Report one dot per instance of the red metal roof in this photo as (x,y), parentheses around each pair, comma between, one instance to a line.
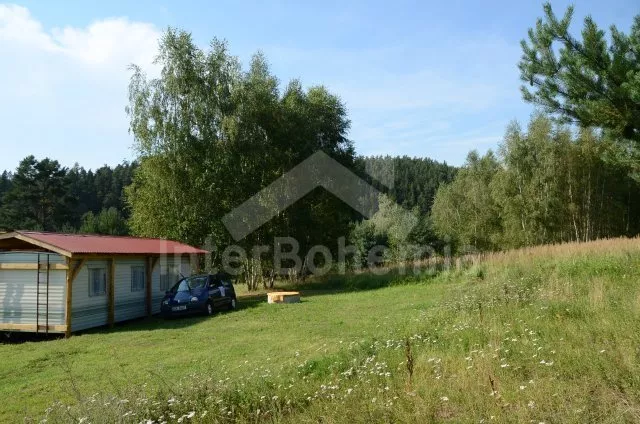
(111,245)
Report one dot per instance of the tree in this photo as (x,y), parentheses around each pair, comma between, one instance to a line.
(5,185)
(526,189)
(51,197)
(592,82)
(38,198)
(80,188)
(547,185)
(464,211)
(210,136)
(182,125)
(108,221)
(413,181)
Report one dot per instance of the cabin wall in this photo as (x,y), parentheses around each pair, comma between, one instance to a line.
(128,304)
(18,290)
(93,311)
(88,311)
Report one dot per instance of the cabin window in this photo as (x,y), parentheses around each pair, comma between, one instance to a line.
(97,281)
(137,278)
(168,278)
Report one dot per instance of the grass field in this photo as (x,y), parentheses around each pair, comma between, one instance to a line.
(549,334)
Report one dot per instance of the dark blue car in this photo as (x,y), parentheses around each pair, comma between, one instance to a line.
(199,294)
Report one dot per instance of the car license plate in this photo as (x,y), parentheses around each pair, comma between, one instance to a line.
(179,308)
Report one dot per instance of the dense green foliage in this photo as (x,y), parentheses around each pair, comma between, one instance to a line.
(410,182)
(38,196)
(403,235)
(94,202)
(43,195)
(211,135)
(594,81)
(108,221)
(5,184)
(464,211)
(546,186)
(402,226)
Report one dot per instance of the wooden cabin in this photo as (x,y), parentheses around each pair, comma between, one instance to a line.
(61,283)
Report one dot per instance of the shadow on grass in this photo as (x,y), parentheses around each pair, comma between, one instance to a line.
(19,337)
(347,283)
(157,322)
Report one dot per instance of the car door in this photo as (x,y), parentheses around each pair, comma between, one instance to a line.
(215,292)
(228,290)
(225,291)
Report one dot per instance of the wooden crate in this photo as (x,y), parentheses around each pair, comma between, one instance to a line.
(283,297)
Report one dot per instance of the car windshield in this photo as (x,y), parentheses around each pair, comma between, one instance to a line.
(190,283)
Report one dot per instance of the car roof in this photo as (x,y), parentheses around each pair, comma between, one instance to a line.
(219,275)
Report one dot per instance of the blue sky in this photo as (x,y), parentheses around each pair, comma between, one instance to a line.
(432,79)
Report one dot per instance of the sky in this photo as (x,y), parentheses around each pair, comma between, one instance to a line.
(429,79)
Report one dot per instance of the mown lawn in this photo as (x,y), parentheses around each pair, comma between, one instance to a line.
(549,334)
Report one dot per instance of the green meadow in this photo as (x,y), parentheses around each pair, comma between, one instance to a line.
(547,334)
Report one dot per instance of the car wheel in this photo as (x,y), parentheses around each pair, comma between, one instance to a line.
(209,309)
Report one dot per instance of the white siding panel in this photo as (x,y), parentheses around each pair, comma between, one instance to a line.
(18,291)
(186,265)
(30,258)
(128,304)
(88,311)
(156,293)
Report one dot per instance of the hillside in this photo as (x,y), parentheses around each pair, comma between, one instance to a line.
(546,334)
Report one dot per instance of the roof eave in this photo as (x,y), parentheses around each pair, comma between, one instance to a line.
(18,235)
(56,249)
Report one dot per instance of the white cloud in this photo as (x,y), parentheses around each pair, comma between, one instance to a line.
(112,42)
(65,88)
(17,27)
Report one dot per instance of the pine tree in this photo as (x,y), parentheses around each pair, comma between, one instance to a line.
(594,82)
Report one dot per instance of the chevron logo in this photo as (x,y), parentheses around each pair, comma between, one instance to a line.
(318,170)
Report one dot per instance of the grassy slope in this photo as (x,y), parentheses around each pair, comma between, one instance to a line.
(549,334)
